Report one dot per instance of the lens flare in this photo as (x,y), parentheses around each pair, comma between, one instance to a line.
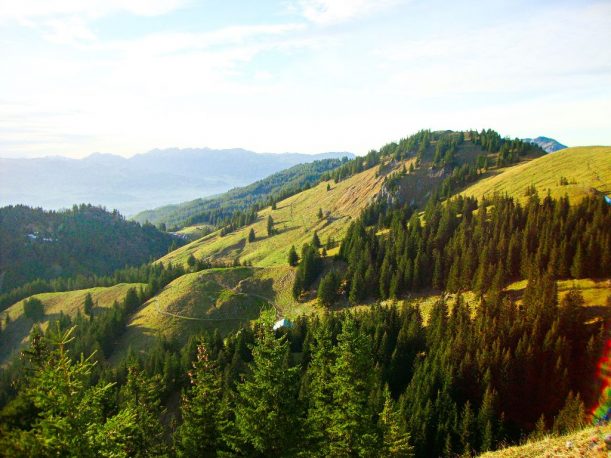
(602,411)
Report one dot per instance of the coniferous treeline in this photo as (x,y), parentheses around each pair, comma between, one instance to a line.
(460,245)
(377,383)
(146,273)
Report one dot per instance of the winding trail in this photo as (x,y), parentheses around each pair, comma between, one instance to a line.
(184,317)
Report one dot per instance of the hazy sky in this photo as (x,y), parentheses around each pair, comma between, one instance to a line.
(126,76)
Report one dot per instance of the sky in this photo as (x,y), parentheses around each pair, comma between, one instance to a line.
(127,76)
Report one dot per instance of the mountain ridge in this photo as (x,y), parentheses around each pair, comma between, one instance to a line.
(159,177)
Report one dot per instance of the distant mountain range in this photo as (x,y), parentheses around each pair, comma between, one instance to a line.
(159,177)
(547,144)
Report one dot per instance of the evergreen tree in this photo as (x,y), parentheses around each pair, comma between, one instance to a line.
(352,430)
(319,214)
(327,289)
(316,241)
(395,439)
(251,235)
(88,305)
(266,410)
(293,257)
(270,226)
(198,435)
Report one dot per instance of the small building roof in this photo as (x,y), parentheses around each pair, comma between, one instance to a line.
(283,323)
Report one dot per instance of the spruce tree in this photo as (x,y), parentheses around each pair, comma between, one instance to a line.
(267,414)
(395,438)
(88,305)
(293,257)
(198,435)
(327,289)
(270,226)
(352,430)
(251,235)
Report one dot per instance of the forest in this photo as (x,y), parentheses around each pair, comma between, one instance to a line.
(84,240)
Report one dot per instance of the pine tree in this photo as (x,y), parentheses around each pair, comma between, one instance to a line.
(70,419)
(578,266)
(198,435)
(319,214)
(327,289)
(293,257)
(266,409)
(315,240)
(88,305)
(357,289)
(251,235)
(352,429)
(270,226)
(317,390)
(395,439)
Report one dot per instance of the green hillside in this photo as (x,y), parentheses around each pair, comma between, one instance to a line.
(14,335)
(295,220)
(576,171)
(218,210)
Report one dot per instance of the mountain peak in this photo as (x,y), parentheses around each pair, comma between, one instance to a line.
(549,145)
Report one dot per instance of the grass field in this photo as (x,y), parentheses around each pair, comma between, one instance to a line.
(295,220)
(68,303)
(221,298)
(586,168)
(586,443)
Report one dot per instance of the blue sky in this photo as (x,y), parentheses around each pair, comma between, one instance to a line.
(126,76)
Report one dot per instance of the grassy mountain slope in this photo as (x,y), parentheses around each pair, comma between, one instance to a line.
(587,169)
(211,209)
(578,444)
(69,303)
(295,220)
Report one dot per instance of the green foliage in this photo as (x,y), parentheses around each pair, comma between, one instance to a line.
(199,435)
(270,226)
(33,309)
(85,240)
(71,417)
(293,257)
(308,270)
(238,206)
(327,289)
(88,305)
(266,407)
(251,235)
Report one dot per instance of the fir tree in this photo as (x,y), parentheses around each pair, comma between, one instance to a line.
(251,235)
(198,435)
(293,257)
(352,429)
(270,226)
(88,305)
(266,408)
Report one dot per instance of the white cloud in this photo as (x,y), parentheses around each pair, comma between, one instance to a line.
(92,9)
(326,12)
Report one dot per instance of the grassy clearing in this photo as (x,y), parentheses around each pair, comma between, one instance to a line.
(586,168)
(586,443)
(69,303)
(221,299)
(295,221)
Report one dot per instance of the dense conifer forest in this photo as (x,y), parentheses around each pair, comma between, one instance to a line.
(85,240)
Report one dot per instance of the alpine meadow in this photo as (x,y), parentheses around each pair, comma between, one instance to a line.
(439,289)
